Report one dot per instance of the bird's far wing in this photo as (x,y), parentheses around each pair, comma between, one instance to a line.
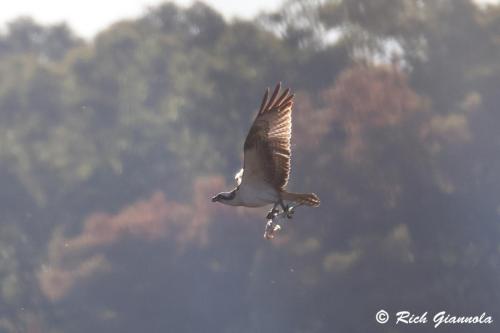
(238,176)
(267,146)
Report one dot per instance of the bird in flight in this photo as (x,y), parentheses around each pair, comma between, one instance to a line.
(266,160)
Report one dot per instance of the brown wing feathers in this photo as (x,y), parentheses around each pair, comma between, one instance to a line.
(281,103)
(264,101)
(270,135)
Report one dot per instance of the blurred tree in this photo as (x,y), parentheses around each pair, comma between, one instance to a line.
(24,36)
(111,148)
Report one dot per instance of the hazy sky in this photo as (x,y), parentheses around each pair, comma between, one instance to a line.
(91,16)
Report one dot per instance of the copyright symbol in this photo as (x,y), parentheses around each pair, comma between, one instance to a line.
(382,317)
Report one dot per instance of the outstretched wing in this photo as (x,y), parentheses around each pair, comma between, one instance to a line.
(267,146)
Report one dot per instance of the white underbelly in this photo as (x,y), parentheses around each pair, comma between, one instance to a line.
(257,195)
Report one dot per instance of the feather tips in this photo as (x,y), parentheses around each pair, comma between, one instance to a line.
(264,101)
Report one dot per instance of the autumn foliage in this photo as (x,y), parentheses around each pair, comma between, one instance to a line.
(111,148)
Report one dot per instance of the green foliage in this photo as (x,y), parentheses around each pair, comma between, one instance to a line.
(110,150)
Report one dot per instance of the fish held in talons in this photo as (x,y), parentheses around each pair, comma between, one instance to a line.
(272,228)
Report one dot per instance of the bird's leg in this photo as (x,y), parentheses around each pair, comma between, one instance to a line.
(273,212)
(287,210)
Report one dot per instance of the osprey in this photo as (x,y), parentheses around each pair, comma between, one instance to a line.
(266,160)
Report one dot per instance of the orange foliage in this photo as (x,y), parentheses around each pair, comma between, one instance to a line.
(150,219)
(310,125)
(147,219)
(363,97)
(373,96)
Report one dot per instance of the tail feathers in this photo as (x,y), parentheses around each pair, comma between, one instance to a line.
(308,199)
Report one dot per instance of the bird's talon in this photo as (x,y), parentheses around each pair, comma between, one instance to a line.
(272,214)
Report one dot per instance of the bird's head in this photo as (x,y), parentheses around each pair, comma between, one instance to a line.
(224,197)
